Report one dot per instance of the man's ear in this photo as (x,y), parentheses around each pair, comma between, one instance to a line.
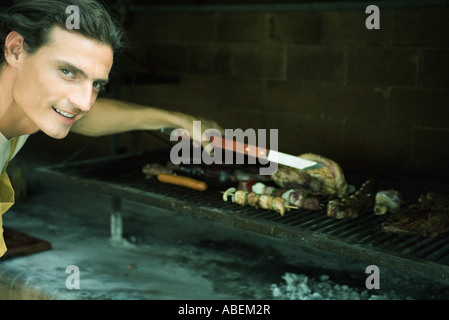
(14,47)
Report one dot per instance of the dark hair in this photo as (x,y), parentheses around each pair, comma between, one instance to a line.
(34,19)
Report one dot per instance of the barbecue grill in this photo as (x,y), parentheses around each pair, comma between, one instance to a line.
(361,238)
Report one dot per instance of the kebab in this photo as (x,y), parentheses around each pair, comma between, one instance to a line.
(255,200)
(296,197)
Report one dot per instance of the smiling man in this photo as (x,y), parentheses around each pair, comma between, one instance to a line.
(54,87)
(50,77)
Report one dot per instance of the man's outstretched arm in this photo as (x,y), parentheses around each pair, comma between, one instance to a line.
(109,116)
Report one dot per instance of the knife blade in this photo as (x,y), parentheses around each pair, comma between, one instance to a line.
(264,153)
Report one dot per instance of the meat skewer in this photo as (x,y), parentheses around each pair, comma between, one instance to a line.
(253,199)
(296,197)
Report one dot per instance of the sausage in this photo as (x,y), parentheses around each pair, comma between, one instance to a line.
(182,181)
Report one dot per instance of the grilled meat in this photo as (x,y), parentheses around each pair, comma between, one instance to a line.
(429,217)
(240,197)
(288,177)
(296,197)
(326,181)
(303,200)
(355,204)
(264,201)
(387,201)
(246,185)
(253,199)
(278,205)
(154,169)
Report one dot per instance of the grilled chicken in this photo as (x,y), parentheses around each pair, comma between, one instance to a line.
(326,181)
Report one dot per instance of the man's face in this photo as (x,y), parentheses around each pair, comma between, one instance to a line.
(58,84)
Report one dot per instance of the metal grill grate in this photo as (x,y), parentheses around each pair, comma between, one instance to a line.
(360,238)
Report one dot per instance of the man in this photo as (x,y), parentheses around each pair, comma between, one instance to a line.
(50,77)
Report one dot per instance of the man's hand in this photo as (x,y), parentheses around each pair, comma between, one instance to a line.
(200,130)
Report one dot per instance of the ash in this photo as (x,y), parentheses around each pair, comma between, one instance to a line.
(301,287)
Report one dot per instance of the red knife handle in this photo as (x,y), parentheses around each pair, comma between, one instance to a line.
(239,147)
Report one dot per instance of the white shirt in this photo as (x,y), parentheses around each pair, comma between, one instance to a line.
(5,148)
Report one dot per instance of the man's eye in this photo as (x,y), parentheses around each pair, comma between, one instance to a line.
(99,86)
(67,72)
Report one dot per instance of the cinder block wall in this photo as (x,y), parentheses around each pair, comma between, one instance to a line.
(373,100)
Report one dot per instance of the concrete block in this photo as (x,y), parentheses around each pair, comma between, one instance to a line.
(365,104)
(294,97)
(382,66)
(434,66)
(430,152)
(317,63)
(209,59)
(241,27)
(413,107)
(295,27)
(421,27)
(347,27)
(300,133)
(259,61)
(191,27)
(165,57)
(382,150)
(243,93)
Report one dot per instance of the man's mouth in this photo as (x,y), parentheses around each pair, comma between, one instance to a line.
(63,113)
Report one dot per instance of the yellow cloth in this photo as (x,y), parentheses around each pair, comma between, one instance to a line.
(6,195)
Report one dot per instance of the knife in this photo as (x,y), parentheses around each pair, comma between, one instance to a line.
(264,154)
(259,153)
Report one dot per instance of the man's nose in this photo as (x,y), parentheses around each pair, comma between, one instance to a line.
(83,97)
